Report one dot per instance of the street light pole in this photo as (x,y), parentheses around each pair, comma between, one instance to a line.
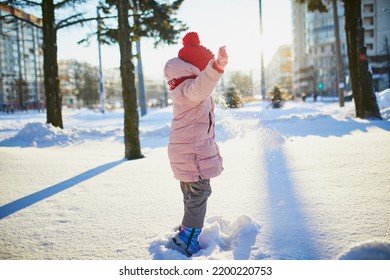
(262,79)
(101,88)
(141,87)
(340,72)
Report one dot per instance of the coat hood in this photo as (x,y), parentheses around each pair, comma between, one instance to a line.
(177,68)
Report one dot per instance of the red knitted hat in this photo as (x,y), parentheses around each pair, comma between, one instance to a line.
(193,52)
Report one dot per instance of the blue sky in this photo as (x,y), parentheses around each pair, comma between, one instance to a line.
(232,23)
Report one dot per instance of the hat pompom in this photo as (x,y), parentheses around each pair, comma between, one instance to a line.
(191,38)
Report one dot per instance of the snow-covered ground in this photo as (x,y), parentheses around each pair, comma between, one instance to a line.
(307,181)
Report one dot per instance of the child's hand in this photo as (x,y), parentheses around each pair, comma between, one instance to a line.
(222,57)
(222,60)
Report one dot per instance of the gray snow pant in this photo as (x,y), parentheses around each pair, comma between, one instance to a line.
(195,195)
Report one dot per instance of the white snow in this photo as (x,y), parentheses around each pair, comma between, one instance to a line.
(307,181)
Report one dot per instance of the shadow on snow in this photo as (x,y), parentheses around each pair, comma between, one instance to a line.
(290,237)
(24,202)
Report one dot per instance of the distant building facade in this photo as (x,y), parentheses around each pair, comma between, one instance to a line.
(21,60)
(376,22)
(79,85)
(314,50)
(279,70)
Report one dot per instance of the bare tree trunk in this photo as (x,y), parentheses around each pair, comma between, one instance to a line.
(131,118)
(50,66)
(361,79)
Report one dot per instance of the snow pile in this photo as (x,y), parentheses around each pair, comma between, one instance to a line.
(374,250)
(96,133)
(383,99)
(300,117)
(220,239)
(236,238)
(42,135)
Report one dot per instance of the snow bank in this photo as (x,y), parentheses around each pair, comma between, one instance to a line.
(383,99)
(42,135)
(373,250)
(97,133)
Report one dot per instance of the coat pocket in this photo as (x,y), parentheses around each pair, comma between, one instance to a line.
(210,122)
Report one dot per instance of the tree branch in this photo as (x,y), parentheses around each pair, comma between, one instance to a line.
(68,2)
(67,22)
(60,23)
(19,3)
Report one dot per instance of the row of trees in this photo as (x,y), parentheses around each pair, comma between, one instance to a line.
(135,19)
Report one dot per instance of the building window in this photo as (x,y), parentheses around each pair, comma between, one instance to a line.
(368,21)
(368,8)
(370,46)
(369,33)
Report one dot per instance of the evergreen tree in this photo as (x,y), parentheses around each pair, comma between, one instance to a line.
(89,91)
(366,105)
(277,96)
(233,99)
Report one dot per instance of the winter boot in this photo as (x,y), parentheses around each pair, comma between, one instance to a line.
(187,240)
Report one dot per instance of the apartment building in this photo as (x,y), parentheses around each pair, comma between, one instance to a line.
(279,70)
(21,60)
(314,51)
(376,22)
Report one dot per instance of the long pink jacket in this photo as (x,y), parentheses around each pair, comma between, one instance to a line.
(192,150)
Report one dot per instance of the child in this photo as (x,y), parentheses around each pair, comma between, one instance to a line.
(193,154)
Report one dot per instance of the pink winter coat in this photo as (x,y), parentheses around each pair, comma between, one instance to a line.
(192,150)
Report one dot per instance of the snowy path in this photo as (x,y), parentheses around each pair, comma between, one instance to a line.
(304,182)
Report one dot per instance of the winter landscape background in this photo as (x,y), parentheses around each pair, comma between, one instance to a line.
(307,181)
